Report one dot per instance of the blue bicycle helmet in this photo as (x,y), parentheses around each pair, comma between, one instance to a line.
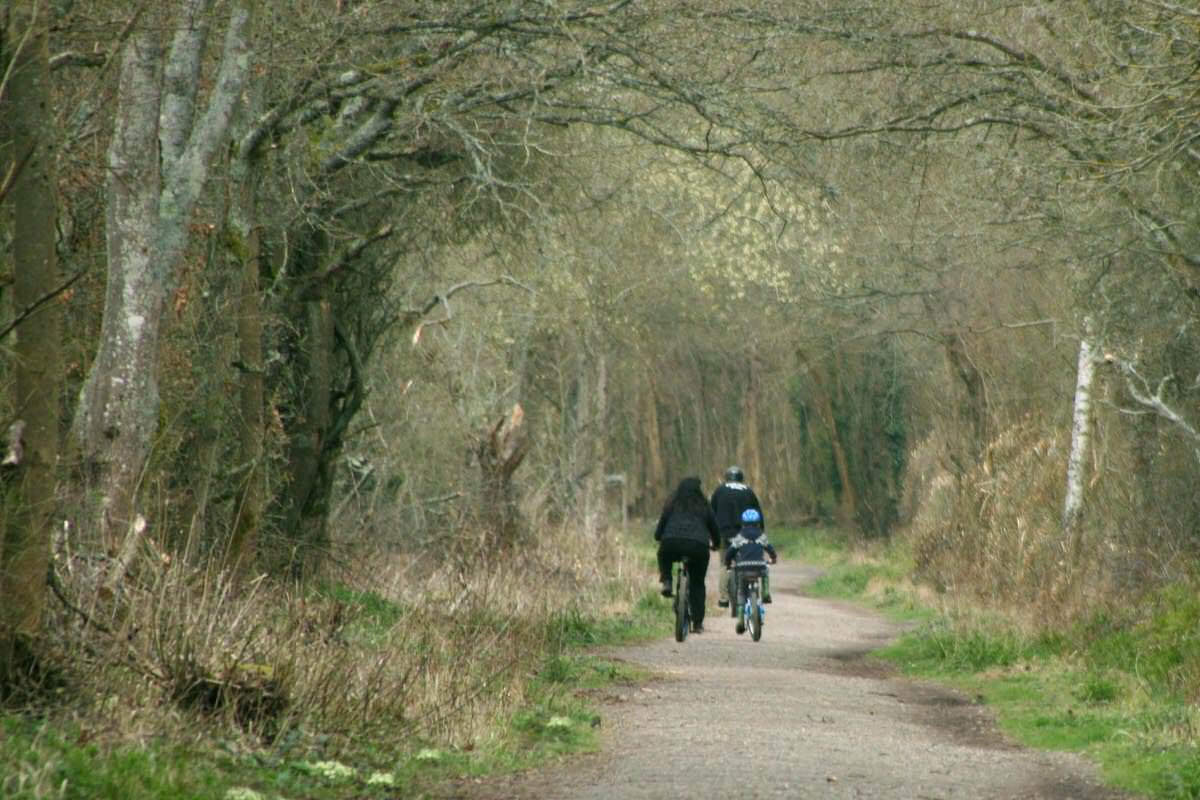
(751,515)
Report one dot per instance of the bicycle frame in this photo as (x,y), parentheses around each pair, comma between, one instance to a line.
(748,588)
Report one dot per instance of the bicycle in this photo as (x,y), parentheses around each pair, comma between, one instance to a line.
(683,614)
(751,608)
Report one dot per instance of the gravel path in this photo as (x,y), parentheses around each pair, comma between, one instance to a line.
(800,714)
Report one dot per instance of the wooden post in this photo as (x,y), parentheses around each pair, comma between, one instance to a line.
(619,477)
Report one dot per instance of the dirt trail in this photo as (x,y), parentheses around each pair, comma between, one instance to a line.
(799,714)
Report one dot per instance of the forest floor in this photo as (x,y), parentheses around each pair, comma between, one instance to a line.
(803,713)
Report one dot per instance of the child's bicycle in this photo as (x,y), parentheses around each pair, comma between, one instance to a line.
(683,614)
(751,611)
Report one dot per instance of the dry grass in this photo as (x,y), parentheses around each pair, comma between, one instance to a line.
(400,649)
(994,532)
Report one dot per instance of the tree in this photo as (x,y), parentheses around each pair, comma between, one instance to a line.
(28,474)
(158,162)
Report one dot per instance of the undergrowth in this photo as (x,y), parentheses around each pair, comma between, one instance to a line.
(386,686)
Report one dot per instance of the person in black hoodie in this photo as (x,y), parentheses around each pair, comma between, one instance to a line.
(687,529)
(728,502)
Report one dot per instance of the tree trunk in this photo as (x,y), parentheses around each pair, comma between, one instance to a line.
(579,423)
(750,437)
(32,460)
(245,233)
(597,449)
(1081,438)
(320,406)
(499,451)
(248,503)
(847,497)
(146,228)
(118,405)
(974,408)
(656,471)
(309,470)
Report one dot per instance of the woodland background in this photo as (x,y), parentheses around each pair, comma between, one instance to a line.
(388,294)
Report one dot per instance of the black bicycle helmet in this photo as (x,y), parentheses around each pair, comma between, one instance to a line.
(735,474)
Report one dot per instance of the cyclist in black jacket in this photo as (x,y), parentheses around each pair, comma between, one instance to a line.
(687,529)
(728,502)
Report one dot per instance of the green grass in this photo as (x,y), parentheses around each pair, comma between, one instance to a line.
(1108,689)
(575,628)
(51,759)
(848,571)
(822,547)
(1055,702)
(43,761)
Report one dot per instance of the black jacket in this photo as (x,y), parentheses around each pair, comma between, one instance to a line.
(749,548)
(729,501)
(695,525)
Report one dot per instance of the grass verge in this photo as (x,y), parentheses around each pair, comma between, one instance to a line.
(1120,689)
(55,758)
(875,573)
(541,704)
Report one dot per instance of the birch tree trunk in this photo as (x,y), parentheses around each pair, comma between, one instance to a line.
(29,469)
(146,229)
(596,452)
(1080,439)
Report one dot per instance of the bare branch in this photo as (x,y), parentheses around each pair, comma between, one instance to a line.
(414,315)
(32,309)
(1174,8)
(71,58)
(1152,399)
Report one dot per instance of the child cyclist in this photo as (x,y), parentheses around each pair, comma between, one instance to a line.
(748,552)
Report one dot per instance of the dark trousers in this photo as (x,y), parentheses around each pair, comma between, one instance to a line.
(726,535)
(672,550)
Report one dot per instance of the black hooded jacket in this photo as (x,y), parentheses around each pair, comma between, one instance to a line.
(729,501)
(687,516)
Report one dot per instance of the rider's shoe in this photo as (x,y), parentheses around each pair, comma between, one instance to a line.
(741,628)
(666,589)
(697,628)
(767,599)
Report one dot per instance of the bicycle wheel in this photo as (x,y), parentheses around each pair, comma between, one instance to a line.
(682,615)
(755,621)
